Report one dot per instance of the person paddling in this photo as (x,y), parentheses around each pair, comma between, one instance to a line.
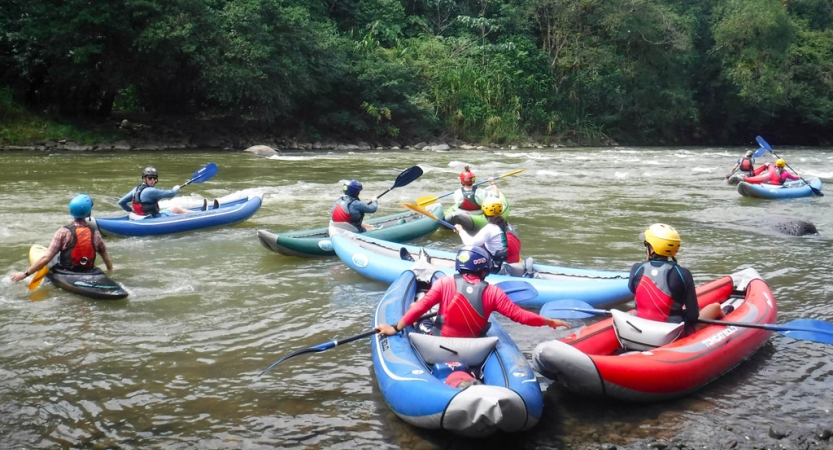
(77,243)
(348,211)
(144,198)
(745,164)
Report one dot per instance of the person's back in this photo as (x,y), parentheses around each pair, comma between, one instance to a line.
(348,211)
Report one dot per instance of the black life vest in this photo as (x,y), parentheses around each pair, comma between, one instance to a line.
(469,202)
(80,254)
(144,208)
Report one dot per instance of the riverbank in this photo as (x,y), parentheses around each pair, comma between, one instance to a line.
(126,132)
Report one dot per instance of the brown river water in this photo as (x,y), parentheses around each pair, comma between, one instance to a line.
(174,365)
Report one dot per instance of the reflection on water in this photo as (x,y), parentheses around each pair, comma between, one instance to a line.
(175,365)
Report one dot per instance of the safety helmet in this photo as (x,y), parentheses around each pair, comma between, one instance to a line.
(473,259)
(492,206)
(352,188)
(81,206)
(150,171)
(750,153)
(467,177)
(780,163)
(664,239)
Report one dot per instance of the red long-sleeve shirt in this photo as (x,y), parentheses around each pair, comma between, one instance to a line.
(494,299)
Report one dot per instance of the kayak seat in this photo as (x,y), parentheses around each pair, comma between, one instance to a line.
(518,269)
(636,333)
(134,216)
(471,352)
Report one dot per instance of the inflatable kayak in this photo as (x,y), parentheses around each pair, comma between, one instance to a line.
(382,261)
(792,189)
(93,284)
(402,227)
(757,176)
(415,373)
(228,213)
(472,221)
(592,361)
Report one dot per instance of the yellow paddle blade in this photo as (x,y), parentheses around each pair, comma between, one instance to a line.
(37,278)
(511,173)
(418,209)
(425,201)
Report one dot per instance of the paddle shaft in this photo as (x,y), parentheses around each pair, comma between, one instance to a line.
(404,178)
(425,212)
(428,200)
(331,344)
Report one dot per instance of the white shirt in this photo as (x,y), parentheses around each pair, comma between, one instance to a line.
(490,236)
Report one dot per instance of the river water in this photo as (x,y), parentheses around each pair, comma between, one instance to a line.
(174,365)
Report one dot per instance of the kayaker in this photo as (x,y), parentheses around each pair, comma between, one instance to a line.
(665,291)
(498,237)
(781,174)
(468,197)
(466,301)
(144,198)
(77,243)
(349,211)
(745,164)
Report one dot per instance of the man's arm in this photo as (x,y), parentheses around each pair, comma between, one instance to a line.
(124,202)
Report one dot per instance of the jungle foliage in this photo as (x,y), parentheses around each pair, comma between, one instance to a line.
(635,71)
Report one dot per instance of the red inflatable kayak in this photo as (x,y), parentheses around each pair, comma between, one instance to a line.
(591,361)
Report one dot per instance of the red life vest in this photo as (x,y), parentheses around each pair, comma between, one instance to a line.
(144,208)
(747,164)
(513,247)
(653,295)
(469,202)
(464,316)
(80,253)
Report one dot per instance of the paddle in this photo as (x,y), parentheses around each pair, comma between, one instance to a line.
(204,174)
(806,329)
(403,179)
(38,278)
(425,212)
(427,200)
(764,144)
(516,290)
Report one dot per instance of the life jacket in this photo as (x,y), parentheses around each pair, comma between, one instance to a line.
(144,208)
(653,294)
(513,245)
(341,213)
(774,175)
(464,315)
(80,253)
(747,164)
(469,202)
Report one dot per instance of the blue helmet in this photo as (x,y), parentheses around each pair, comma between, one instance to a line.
(473,259)
(81,206)
(352,188)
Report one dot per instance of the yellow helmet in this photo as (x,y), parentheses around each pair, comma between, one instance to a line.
(492,206)
(780,163)
(664,239)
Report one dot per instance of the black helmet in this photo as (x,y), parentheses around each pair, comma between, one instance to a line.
(150,171)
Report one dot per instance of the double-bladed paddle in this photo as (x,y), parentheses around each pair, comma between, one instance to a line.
(403,179)
(765,145)
(427,213)
(806,329)
(516,290)
(427,200)
(204,174)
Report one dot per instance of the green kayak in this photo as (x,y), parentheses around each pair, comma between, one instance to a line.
(402,227)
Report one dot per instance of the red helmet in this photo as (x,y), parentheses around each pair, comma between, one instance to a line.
(467,177)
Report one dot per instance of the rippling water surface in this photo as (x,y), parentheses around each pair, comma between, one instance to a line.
(174,365)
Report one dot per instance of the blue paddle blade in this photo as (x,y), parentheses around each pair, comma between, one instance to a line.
(567,309)
(809,330)
(206,172)
(763,143)
(758,153)
(518,291)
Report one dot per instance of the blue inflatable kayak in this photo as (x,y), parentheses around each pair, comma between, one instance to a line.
(228,213)
(793,189)
(412,369)
(382,260)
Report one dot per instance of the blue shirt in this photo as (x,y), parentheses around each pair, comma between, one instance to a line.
(149,194)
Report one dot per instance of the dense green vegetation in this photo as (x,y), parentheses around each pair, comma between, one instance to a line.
(636,71)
